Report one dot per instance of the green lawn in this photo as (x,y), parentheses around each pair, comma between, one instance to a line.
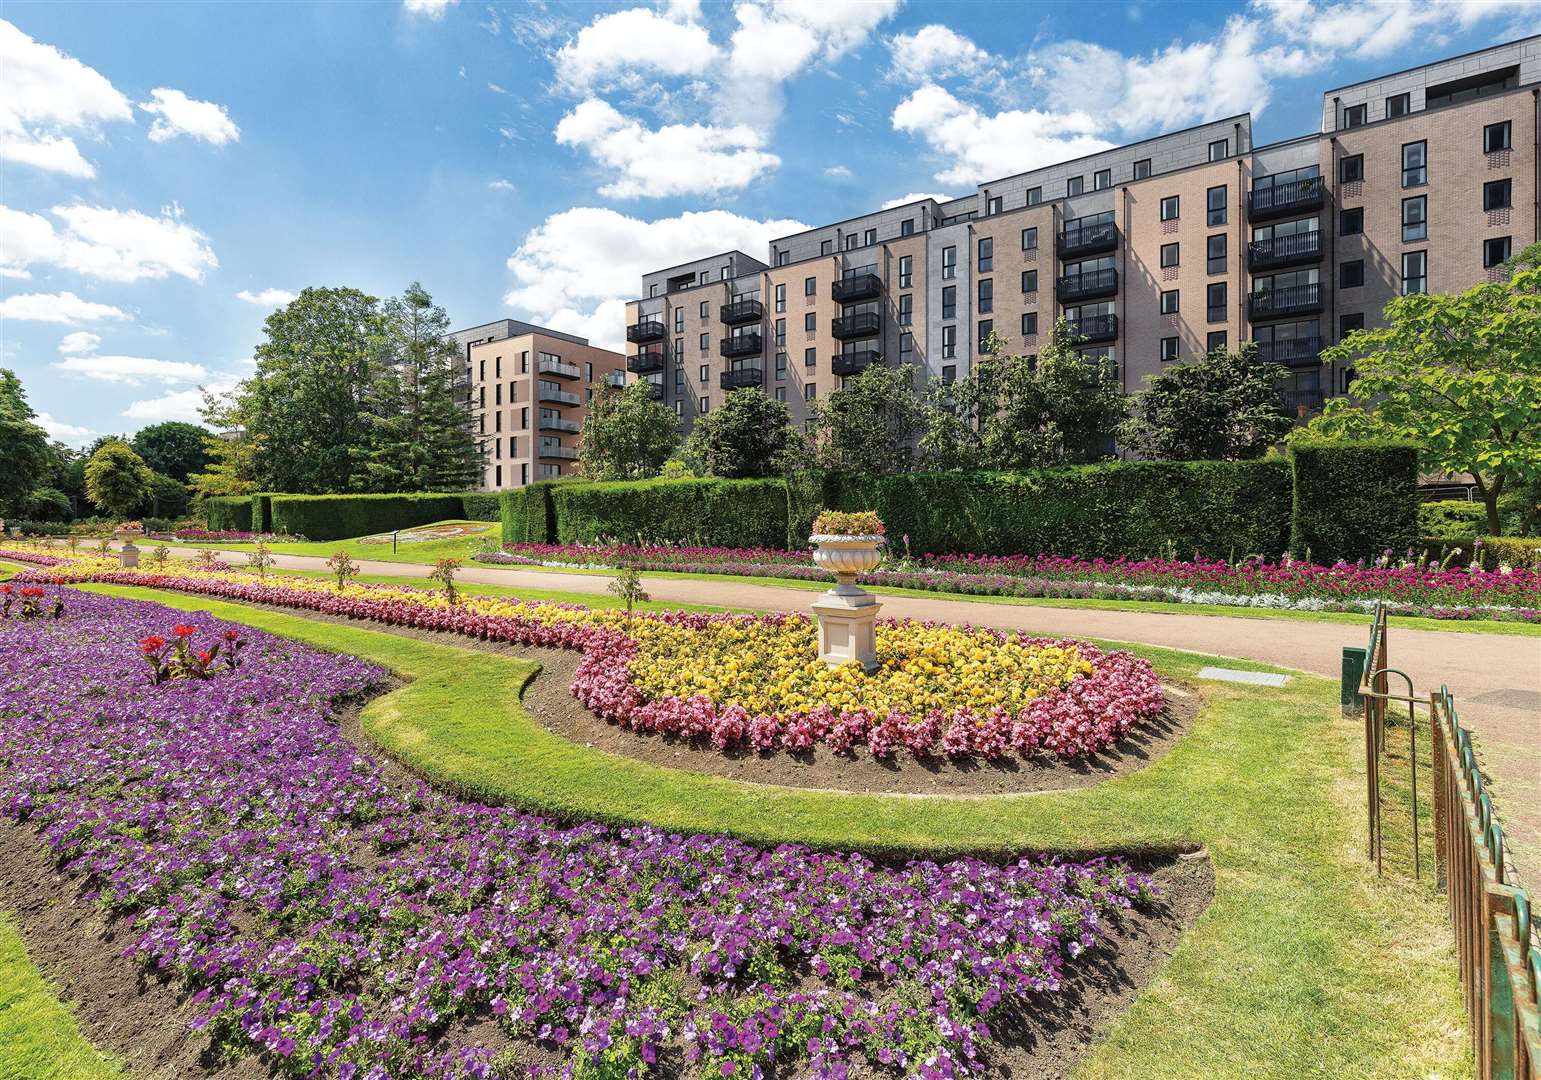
(1305,964)
(428,552)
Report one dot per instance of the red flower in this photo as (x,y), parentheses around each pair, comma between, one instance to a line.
(6,589)
(232,635)
(205,655)
(182,630)
(32,590)
(153,644)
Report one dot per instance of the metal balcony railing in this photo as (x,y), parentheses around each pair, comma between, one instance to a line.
(563,453)
(1073,288)
(1289,300)
(644,363)
(855,361)
(1087,239)
(560,368)
(645,330)
(1281,200)
(740,312)
(1293,351)
(1093,328)
(862,285)
(556,423)
(616,379)
(740,345)
(1301,402)
(740,377)
(1297,249)
(860,325)
(559,397)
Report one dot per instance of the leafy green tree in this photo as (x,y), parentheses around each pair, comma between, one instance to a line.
(167,498)
(24,453)
(174,448)
(628,433)
(872,423)
(117,479)
(232,454)
(1223,406)
(48,504)
(1459,373)
(747,436)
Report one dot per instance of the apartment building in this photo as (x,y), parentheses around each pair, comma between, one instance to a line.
(527,390)
(1425,180)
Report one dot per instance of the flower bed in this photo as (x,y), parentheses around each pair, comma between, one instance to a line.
(755,680)
(234,536)
(1424,590)
(342,923)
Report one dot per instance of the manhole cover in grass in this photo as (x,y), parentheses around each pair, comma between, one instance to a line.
(425,533)
(1251,678)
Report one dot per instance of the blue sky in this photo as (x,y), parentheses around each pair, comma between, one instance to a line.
(168,172)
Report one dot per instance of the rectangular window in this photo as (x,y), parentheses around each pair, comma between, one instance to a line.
(524,418)
(706,342)
(906,271)
(1415,164)
(826,247)
(1029,281)
(781,297)
(986,295)
(1102,179)
(986,328)
(906,346)
(949,342)
(1351,169)
(1351,274)
(497,394)
(1497,194)
(679,378)
(950,302)
(1351,221)
(1220,149)
(705,374)
(781,333)
(524,362)
(869,237)
(703,405)
(1076,185)
(986,254)
(1030,239)
(1214,201)
(781,365)
(1415,219)
(1496,137)
(1398,105)
(705,307)
(1415,272)
(949,263)
(498,473)
(810,286)
(1169,348)
(1217,341)
(1347,324)
(781,393)
(949,373)
(1215,301)
(907,227)
(1142,169)
(1169,208)
(994,205)
(850,242)
(1034,196)
(1029,324)
(1354,116)
(1168,254)
(679,348)
(1215,252)
(679,320)
(1169,300)
(1495,250)
(810,358)
(810,392)
(810,322)
(906,308)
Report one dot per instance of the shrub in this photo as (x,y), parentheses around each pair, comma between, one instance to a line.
(341,517)
(1511,551)
(479,506)
(1452,519)
(229,513)
(262,512)
(750,513)
(1353,500)
(528,515)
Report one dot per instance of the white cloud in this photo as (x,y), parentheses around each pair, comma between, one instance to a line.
(177,114)
(130,369)
(179,404)
(269,298)
(576,271)
(676,159)
(495,88)
(618,47)
(72,434)
(916,196)
(115,245)
(81,341)
(429,9)
(980,146)
(502,185)
(1373,29)
(935,51)
(839,172)
(63,307)
(44,95)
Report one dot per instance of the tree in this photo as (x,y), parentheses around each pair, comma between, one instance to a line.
(117,479)
(628,434)
(872,423)
(1224,406)
(167,498)
(1459,373)
(175,448)
(231,454)
(24,453)
(748,435)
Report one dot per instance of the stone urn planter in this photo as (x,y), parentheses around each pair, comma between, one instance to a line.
(847,613)
(128,554)
(846,556)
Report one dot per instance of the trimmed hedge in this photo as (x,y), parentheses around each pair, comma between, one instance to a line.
(479,506)
(341,517)
(1353,500)
(708,512)
(527,514)
(1511,551)
(262,512)
(228,513)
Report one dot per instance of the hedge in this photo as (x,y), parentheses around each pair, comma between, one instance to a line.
(708,512)
(228,513)
(480,506)
(1353,500)
(262,512)
(527,514)
(341,517)
(1511,551)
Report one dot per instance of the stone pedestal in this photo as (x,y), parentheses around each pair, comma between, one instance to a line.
(848,626)
(128,555)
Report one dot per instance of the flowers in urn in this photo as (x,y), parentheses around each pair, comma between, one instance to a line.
(130,530)
(847,542)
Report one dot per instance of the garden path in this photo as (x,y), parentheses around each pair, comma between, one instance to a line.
(1496,678)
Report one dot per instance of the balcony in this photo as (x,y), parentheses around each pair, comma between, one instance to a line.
(1301,351)
(1093,328)
(560,453)
(740,345)
(558,397)
(1289,300)
(1282,200)
(741,311)
(855,361)
(1297,249)
(645,363)
(655,389)
(853,287)
(560,368)
(1301,403)
(556,423)
(863,324)
(646,330)
(1087,239)
(616,379)
(1074,288)
(740,377)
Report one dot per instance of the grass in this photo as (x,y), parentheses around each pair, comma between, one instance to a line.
(427,552)
(1304,965)
(39,1039)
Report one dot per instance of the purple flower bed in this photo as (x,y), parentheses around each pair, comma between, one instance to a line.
(233,536)
(341,924)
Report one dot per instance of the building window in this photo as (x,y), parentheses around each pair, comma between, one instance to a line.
(1351,274)
(1415,164)
(906,346)
(906,308)
(986,254)
(1351,221)
(1347,324)
(1076,185)
(1217,341)
(497,393)
(986,295)
(703,405)
(810,358)
(907,227)
(652,290)
(1497,194)
(781,297)
(1398,105)
(1215,252)
(810,286)
(679,378)
(1214,201)
(1354,116)
(1029,281)
(1034,196)
(869,237)
(706,342)
(1415,219)
(679,320)
(1496,137)
(781,333)
(783,257)
(1220,149)
(994,205)
(498,473)
(949,342)
(906,271)
(1495,250)
(705,307)
(1029,324)
(949,263)
(810,322)
(1415,272)
(810,392)
(1102,179)
(1169,207)
(950,302)
(1169,348)
(524,418)
(1168,254)
(781,365)
(949,373)
(826,247)
(781,393)
(850,242)
(1214,301)
(1030,239)
(1169,300)
(1351,169)
(705,374)
(1142,169)
(986,328)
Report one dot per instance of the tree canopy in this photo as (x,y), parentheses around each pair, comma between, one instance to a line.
(24,451)
(1223,406)
(628,434)
(749,435)
(117,479)
(174,448)
(872,423)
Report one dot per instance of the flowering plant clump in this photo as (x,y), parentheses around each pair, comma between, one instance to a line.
(339,923)
(234,536)
(29,602)
(848,523)
(179,659)
(755,680)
